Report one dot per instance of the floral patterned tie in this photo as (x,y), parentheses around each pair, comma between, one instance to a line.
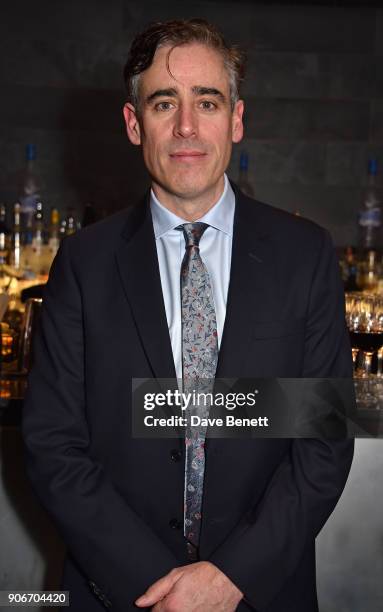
(199,355)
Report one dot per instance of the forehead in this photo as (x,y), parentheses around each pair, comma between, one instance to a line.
(186,65)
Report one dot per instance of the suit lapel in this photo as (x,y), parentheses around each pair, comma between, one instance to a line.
(251,294)
(139,272)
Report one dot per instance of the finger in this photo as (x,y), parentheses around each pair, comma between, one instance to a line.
(168,603)
(158,590)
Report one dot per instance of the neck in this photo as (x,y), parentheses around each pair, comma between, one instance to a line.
(189,208)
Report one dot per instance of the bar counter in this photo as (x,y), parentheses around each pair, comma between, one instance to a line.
(348,547)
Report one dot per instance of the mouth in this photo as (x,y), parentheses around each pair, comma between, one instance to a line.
(187,155)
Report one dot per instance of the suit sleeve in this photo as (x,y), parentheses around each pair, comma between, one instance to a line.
(262,552)
(114,548)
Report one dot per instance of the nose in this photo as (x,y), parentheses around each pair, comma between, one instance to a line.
(185,122)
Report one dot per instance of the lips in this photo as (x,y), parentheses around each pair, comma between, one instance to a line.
(187,154)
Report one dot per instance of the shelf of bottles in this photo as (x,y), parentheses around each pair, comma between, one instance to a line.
(362,266)
(362,274)
(29,240)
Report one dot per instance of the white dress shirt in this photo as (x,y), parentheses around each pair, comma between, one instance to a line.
(215,250)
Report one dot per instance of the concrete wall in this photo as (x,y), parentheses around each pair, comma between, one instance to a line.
(31,552)
(350,546)
(314,98)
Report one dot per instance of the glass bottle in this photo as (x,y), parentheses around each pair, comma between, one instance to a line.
(70,222)
(54,231)
(243,177)
(5,236)
(16,238)
(30,185)
(370,213)
(38,230)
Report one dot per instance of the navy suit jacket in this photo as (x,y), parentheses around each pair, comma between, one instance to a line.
(118,500)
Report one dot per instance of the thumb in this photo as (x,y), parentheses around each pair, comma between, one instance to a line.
(158,590)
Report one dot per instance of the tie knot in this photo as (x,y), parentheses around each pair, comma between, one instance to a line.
(193,232)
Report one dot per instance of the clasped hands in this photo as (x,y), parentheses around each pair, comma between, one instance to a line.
(197,587)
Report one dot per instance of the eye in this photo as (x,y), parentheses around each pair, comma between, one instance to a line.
(163,106)
(208,105)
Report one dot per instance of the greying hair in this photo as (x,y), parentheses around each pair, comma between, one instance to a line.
(176,33)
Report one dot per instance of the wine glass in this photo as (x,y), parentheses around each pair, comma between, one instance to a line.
(364,313)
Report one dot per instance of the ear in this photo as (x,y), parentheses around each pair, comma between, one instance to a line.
(237,123)
(132,124)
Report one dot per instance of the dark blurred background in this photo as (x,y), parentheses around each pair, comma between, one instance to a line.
(314,95)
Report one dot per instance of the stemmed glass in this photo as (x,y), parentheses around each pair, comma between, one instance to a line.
(364,315)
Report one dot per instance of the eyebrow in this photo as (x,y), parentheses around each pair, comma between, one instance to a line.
(161,93)
(197,90)
(209,91)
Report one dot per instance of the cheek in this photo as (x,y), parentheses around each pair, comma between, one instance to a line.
(217,134)
(151,149)
(223,148)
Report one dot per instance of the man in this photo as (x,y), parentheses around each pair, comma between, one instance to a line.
(270,305)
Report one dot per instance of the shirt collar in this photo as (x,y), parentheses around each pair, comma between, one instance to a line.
(220,216)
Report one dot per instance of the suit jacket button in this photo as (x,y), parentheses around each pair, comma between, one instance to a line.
(175,524)
(175,455)
(94,588)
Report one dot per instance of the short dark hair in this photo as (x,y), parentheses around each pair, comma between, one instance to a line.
(176,33)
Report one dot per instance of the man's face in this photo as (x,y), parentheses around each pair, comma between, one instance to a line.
(186,125)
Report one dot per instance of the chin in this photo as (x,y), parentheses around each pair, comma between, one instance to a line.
(190,192)
(194,184)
